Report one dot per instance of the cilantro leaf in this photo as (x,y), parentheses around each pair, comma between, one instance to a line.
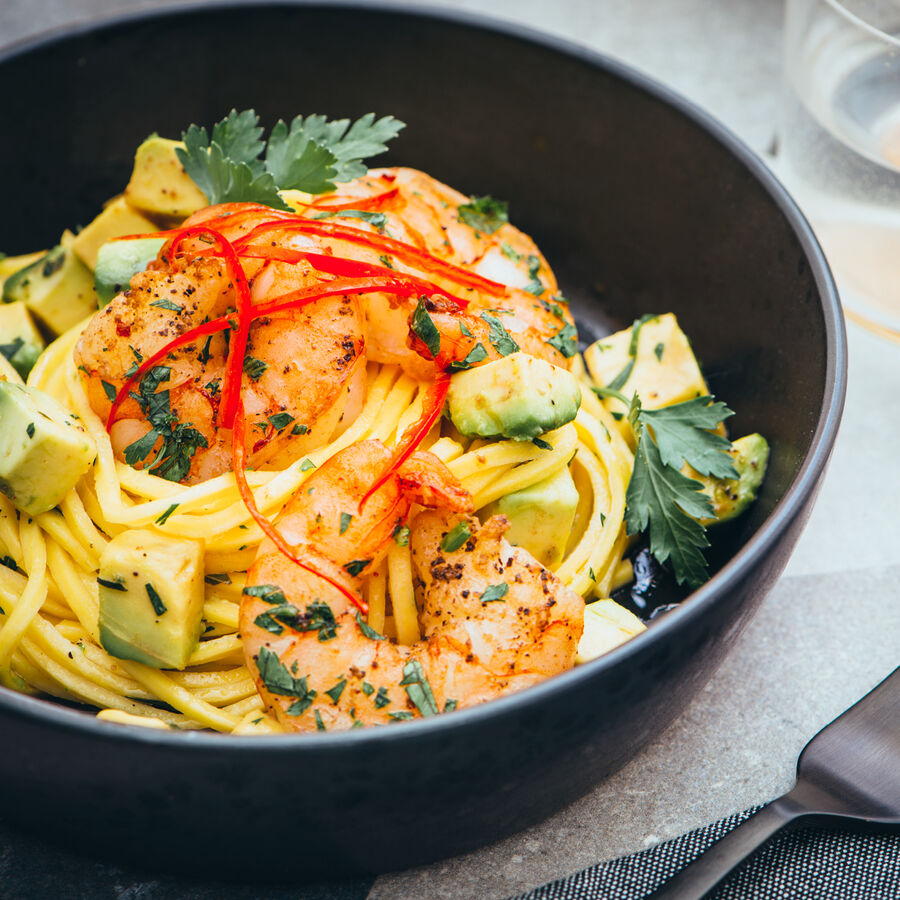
(660,496)
(296,162)
(456,537)
(418,688)
(276,677)
(239,135)
(499,337)
(422,325)
(475,355)
(375,219)
(682,433)
(565,340)
(484,214)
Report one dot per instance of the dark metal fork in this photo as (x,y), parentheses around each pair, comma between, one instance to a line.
(850,771)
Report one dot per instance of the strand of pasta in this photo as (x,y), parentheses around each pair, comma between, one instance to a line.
(403,600)
(375,597)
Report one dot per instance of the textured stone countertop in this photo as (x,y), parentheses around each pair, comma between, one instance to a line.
(828,632)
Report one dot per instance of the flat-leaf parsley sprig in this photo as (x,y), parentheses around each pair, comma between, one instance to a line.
(235,164)
(659,495)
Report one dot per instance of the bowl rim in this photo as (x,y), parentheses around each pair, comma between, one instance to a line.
(61,718)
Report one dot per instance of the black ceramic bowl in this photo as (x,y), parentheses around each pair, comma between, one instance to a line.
(640,202)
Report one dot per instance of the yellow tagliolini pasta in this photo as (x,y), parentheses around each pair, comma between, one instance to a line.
(49,641)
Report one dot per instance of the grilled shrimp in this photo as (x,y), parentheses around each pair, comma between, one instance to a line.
(494,620)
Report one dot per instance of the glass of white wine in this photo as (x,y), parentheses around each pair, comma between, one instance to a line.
(839,145)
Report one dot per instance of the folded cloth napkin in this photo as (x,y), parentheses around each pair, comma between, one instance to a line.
(806,864)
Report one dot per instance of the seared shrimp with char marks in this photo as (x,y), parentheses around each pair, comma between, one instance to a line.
(494,620)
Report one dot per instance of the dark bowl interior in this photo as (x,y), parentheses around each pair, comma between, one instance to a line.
(641,204)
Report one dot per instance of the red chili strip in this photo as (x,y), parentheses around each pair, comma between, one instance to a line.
(406,252)
(375,202)
(432,404)
(238,462)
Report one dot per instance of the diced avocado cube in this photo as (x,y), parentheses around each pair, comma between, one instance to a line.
(116,220)
(44,449)
(653,358)
(606,625)
(518,397)
(118,261)
(541,516)
(58,289)
(151,598)
(731,496)
(20,341)
(159,186)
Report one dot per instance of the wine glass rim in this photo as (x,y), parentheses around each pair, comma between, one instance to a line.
(841,9)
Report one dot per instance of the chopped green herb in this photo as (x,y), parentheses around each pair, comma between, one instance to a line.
(29,429)
(10,563)
(495,592)
(456,537)
(381,698)
(593,576)
(463,329)
(509,252)
(155,600)
(299,429)
(376,219)
(346,519)
(658,350)
(163,518)
(268,593)
(103,582)
(401,535)
(475,355)
(254,367)
(368,630)
(355,566)
(418,688)
(307,464)
(217,578)
(565,340)
(484,214)
(109,390)
(386,261)
(281,420)
(276,677)
(337,690)
(535,285)
(450,705)
(367,689)
(422,325)
(204,355)
(403,716)
(499,336)
(165,303)
(541,443)
(320,725)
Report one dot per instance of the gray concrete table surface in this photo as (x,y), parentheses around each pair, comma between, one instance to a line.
(830,629)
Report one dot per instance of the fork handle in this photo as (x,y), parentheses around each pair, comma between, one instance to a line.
(707,870)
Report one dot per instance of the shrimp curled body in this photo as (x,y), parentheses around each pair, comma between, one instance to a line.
(318,666)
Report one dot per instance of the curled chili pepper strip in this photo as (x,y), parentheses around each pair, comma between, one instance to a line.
(432,405)
(238,462)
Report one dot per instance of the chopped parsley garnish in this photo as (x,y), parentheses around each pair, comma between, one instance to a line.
(162,519)
(103,582)
(109,390)
(509,252)
(541,443)
(276,677)
(386,261)
(317,617)
(403,716)
(367,688)
(268,593)
(165,303)
(217,578)
(381,698)
(281,420)
(204,355)
(29,429)
(418,688)
(254,367)
(566,341)
(368,630)
(422,325)
(495,592)
(10,563)
(307,464)
(658,350)
(346,519)
(499,336)
(299,429)
(475,355)
(320,725)
(337,690)
(484,214)
(180,441)
(660,496)
(355,566)
(310,154)
(592,575)
(456,537)
(401,535)
(535,285)
(450,705)
(155,600)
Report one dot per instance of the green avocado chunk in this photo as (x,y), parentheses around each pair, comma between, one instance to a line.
(118,261)
(541,516)
(58,289)
(44,449)
(151,598)
(20,341)
(518,397)
(731,496)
